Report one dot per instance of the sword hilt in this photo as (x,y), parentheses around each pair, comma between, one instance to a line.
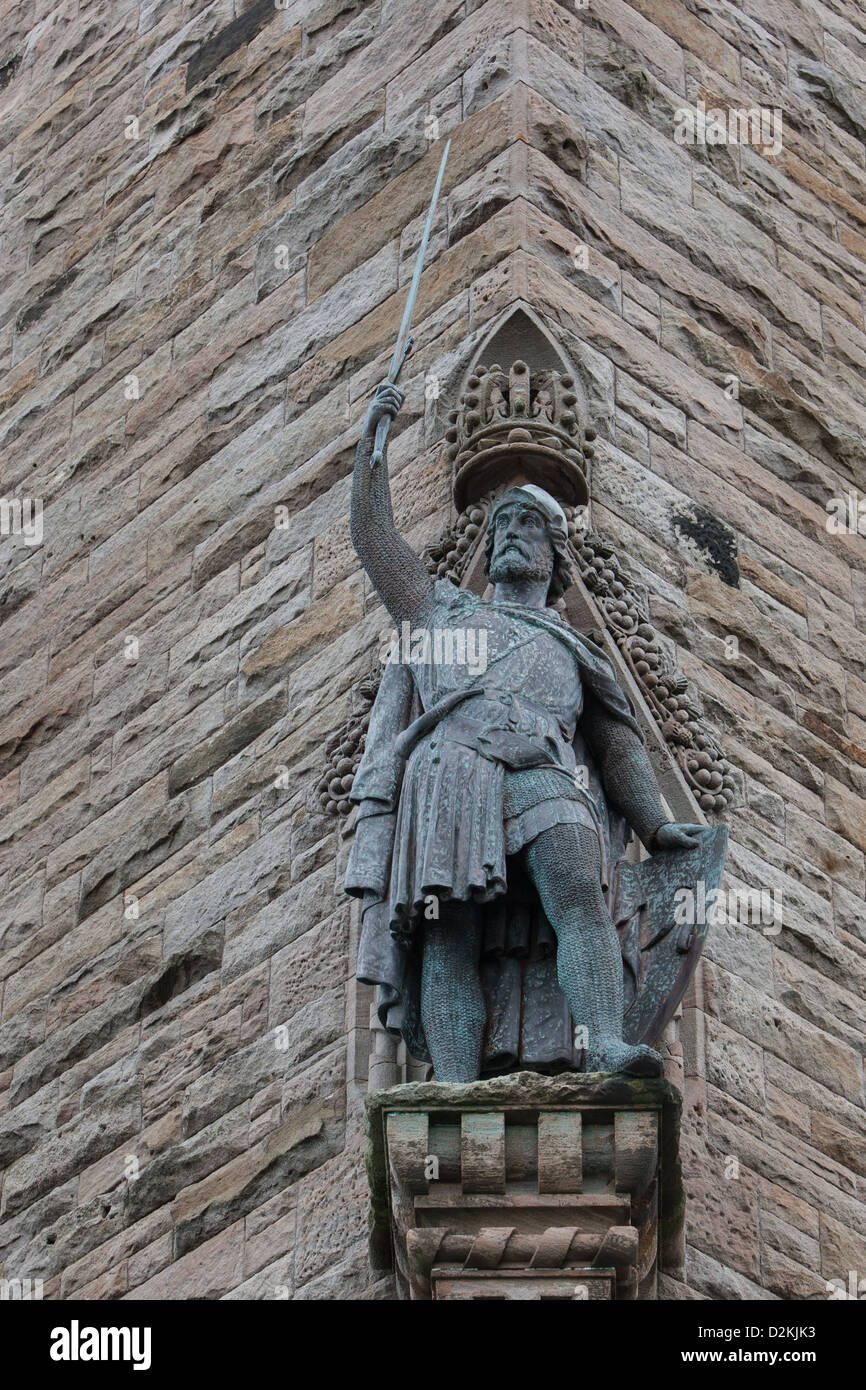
(382,429)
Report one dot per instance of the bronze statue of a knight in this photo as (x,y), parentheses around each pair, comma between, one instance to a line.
(503,774)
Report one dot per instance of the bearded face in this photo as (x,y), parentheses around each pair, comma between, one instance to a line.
(522,549)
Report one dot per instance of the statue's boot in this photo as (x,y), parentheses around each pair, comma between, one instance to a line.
(613,1055)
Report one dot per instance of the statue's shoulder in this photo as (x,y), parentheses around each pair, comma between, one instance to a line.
(447,595)
(585,648)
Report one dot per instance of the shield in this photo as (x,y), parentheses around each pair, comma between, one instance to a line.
(661,912)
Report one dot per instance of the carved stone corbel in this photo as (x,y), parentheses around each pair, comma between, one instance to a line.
(526,1187)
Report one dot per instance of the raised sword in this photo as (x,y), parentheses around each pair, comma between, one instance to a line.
(404,339)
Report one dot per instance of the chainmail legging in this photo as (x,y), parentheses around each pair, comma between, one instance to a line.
(565,867)
(564,864)
(453,1011)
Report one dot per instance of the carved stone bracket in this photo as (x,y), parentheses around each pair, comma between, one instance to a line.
(526,1187)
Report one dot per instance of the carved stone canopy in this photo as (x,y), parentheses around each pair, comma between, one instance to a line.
(519,425)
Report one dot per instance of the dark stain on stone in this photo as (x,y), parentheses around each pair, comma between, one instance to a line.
(716,540)
(178,975)
(8,70)
(234,36)
(33,312)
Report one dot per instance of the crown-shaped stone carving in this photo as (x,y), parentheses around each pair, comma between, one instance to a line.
(519,426)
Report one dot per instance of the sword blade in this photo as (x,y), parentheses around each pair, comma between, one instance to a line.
(403,336)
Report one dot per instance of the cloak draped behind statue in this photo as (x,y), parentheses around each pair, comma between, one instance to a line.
(529,1024)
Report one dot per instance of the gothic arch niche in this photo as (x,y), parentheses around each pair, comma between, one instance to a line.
(605,602)
(520,333)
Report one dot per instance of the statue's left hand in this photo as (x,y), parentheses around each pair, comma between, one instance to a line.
(673,836)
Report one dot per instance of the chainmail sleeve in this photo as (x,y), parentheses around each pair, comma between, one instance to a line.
(627,774)
(399,576)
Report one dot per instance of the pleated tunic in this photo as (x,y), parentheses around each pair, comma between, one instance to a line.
(460,812)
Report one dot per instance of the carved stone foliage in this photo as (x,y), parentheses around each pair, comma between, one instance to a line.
(344,750)
(665,689)
(447,558)
(694,746)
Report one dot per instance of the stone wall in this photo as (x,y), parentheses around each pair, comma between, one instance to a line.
(208,222)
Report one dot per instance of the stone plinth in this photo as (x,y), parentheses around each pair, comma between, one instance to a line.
(526,1187)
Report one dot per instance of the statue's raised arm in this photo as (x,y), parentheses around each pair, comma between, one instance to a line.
(400,578)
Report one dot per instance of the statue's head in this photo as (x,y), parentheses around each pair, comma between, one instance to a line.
(527,540)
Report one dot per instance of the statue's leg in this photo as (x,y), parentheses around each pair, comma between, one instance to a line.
(564,864)
(453,1011)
